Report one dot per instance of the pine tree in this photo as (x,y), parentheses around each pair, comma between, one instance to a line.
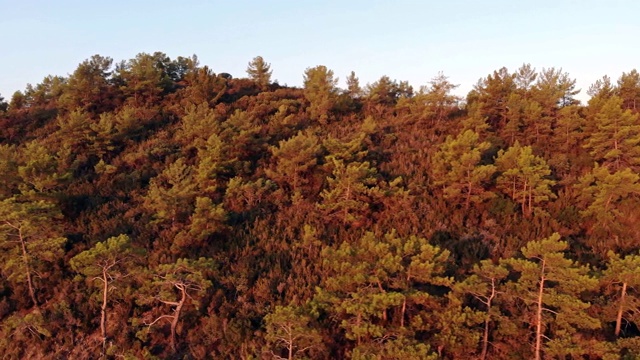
(438,97)
(371,288)
(213,166)
(260,72)
(108,262)
(629,90)
(3,105)
(39,169)
(74,138)
(8,171)
(490,96)
(207,220)
(290,328)
(554,89)
(567,138)
(177,285)
(514,127)
(196,126)
(172,194)
(141,79)
(353,86)
(606,198)
(537,127)
(294,160)
(615,142)
(204,87)
(485,285)
(89,88)
(550,287)
(348,199)
(384,94)
(30,241)
(603,189)
(457,169)
(321,92)
(623,277)
(524,177)
(525,79)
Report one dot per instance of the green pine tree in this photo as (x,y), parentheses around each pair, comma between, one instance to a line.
(290,328)
(30,241)
(615,142)
(622,277)
(321,92)
(524,177)
(549,288)
(458,170)
(107,262)
(260,72)
(177,285)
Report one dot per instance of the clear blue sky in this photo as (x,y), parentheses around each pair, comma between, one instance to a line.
(405,40)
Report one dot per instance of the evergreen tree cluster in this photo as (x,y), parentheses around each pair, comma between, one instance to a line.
(154,209)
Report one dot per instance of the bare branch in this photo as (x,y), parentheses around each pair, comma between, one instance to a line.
(158,319)
(172,303)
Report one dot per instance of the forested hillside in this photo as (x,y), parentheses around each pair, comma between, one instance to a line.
(156,209)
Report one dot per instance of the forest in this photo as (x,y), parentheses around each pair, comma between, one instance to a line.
(155,209)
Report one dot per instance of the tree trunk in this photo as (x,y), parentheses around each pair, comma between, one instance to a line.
(539,315)
(623,295)
(467,201)
(290,344)
(487,320)
(615,146)
(358,326)
(176,317)
(384,312)
(404,309)
(530,201)
(525,196)
(345,213)
(25,258)
(485,339)
(103,311)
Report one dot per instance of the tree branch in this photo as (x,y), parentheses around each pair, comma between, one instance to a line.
(171,303)
(158,319)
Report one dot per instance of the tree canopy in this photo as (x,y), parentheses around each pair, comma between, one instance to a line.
(156,208)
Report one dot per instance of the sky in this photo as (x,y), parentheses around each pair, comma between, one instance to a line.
(406,40)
